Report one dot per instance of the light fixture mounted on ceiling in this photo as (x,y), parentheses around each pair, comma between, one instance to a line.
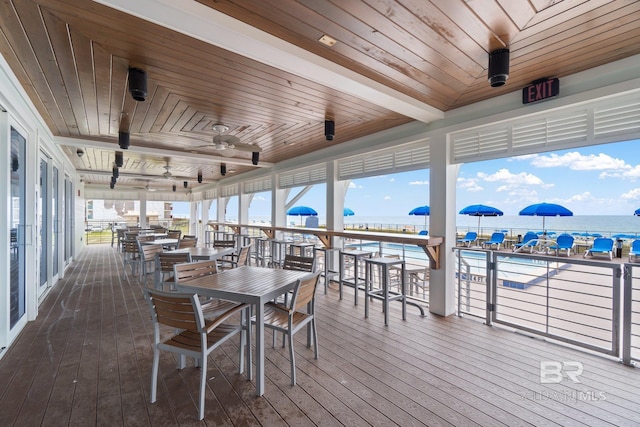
(329,129)
(327,40)
(138,84)
(119,159)
(223,169)
(124,140)
(498,67)
(199,177)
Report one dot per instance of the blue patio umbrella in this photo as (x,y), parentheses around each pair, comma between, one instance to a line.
(422,211)
(544,210)
(637,212)
(302,211)
(480,211)
(347,212)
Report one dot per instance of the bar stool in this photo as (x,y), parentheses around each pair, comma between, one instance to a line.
(383,293)
(303,249)
(358,278)
(263,251)
(278,251)
(326,268)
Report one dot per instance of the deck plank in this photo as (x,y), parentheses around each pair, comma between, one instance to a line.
(87,360)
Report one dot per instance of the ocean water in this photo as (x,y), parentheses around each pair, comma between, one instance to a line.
(603,224)
(606,225)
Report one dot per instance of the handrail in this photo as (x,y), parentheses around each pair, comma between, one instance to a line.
(430,245)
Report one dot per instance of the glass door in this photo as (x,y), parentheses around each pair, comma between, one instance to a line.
(43,224)
(17,225)
(69,232)
(55,215)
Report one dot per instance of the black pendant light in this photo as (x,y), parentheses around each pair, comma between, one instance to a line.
(255,157)
(138,84)
(498,67)
(123,140)
(119,159)
(223,169)
(199,177)
(329,129)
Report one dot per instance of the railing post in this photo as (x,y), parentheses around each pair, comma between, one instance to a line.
(626,314)
(617,300)
(492,283)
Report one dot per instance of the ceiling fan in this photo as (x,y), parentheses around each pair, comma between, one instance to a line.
(146,187)
(167,173)
(229,144)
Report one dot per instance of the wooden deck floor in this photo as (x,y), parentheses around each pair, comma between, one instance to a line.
(86,360)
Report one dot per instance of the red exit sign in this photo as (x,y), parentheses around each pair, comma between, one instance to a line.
(541,90)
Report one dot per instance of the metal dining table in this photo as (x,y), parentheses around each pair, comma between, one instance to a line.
(251,285)
(170,243)
(204,254)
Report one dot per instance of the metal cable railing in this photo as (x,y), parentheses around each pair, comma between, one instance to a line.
(571,300)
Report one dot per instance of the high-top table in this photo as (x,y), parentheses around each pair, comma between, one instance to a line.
(251,285)
(204,254)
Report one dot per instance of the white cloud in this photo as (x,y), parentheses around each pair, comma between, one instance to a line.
(580,197)
(259,198)
(354,185)
(577,161)
(419,183)
(387,198)
(511,180)
(630,172)
(469,184)
(633,194)
(392,180)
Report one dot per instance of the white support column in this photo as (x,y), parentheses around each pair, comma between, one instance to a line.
(206,205)
(221,208)
(244,201)
(142,220)
(193,218)
(278,203)
(336,191)
(442,218)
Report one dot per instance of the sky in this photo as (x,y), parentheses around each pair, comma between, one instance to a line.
(596,180)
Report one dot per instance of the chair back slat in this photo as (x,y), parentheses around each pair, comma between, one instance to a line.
(176,310)
(304,292)
(130,247)
(149,252)
(187,243)
(243,255)
(299,263)
(167,260)
(182,272)
(224,243)
(174,234)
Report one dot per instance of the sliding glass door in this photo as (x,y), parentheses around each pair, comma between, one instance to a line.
(17,225)
(43,224)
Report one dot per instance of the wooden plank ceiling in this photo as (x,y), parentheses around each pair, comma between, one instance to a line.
(73,57)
